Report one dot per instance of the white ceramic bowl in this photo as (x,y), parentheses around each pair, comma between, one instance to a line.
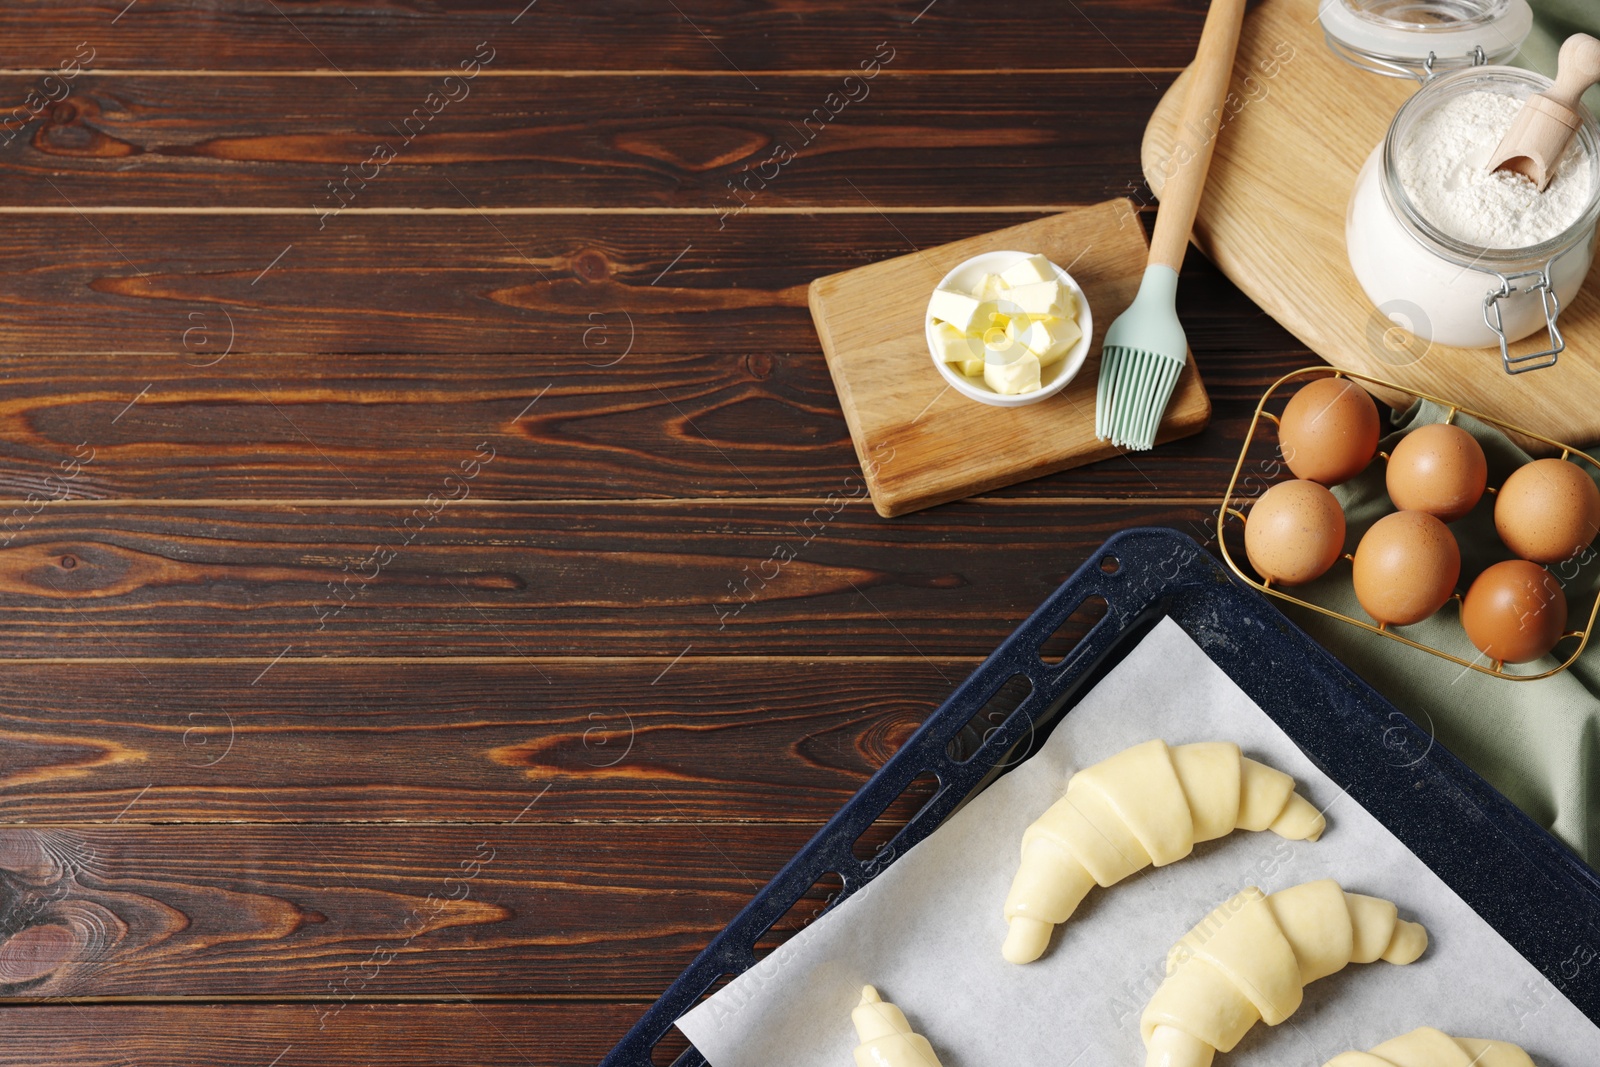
(1055,377)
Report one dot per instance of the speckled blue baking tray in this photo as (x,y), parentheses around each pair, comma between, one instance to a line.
(1525,883)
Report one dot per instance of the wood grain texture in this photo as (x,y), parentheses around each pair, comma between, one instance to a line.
(230,409)
(654,426)
(659,739)
(341,381)
(672,141)
(572,579)
(595,910)
(1258,192)
(922,443)
(752,35)
(533,286)
(549,1033)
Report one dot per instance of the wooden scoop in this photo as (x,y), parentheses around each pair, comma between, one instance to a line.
(1548,121)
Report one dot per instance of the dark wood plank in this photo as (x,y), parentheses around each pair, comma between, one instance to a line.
(661,426)
(523,285)
(696,738)
(549,1034)
(708,383)
(651,141)
(796,577)
(750,35)
(594,910)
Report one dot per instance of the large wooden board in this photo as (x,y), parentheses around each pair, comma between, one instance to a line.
(1273,220)
(920,442)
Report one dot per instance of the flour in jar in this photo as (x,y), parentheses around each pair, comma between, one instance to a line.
(1442,165)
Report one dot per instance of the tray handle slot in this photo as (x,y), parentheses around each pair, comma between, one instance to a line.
(990,719)
(1058,646)
(876,846)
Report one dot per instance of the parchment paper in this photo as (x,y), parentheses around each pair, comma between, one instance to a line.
(927,931)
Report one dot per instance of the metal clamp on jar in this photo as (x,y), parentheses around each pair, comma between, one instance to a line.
(1423,38)
(1430,282)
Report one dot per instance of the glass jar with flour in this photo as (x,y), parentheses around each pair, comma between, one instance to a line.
(1461,255)
(1444,248)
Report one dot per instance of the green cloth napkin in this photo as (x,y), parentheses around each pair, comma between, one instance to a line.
(1536,742)
(1553,22)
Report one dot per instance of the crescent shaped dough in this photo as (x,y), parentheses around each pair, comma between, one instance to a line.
(1149,804)
(1427,1047)
(887,1039)
(1250,960)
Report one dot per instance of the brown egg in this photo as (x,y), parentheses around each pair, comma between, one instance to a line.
(1515,611)
(1548,510)
(1406,567)
(1294,532)
(1439,469)
(1329,431)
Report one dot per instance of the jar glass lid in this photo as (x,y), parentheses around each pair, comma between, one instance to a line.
(1420,38)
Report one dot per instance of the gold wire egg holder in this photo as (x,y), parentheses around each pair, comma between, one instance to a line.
(1231,508)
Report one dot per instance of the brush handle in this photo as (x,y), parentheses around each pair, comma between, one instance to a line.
(1578,68)
(1209,76)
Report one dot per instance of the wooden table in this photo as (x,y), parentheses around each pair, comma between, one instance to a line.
(401,670)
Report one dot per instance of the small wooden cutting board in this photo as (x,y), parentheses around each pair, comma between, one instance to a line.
(920,442)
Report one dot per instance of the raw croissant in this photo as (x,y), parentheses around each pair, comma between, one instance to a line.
(1251,958)
(887,1039)
(1147,804)
(1428,1047)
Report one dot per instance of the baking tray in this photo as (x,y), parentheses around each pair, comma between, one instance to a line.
(1538,895)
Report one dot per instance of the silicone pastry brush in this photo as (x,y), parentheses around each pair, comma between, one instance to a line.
(1549,120)
(1145,348)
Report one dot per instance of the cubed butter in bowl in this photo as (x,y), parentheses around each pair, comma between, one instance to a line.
(1008,328)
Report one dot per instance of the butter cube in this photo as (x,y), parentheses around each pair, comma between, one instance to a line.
(972,368)
(990,287)
(1048,337)
(1019,376)
(989,327)
(1002,345)
(1064,337)
(1030,270)
(951,344)
(1029,335)
(958,309)
(1044,298)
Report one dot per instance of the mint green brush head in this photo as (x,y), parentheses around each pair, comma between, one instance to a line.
(1145,348)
